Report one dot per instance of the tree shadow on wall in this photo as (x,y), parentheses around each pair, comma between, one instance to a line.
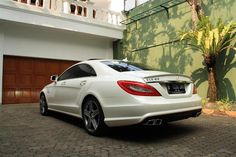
(199,76)
(225,5)
(176,61)
(144,34)
(225,63)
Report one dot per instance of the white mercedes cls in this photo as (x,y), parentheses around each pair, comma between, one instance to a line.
(118,93)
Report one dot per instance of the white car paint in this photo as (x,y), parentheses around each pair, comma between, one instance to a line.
(119,107)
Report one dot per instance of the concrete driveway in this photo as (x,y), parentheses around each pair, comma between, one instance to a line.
(24,132)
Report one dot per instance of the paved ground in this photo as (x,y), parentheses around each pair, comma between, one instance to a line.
(24,132)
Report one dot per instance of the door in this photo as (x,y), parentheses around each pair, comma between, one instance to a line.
(68,87)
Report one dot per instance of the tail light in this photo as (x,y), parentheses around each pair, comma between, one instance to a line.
(194,90)
(138,88)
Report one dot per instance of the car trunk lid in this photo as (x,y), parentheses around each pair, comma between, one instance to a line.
(168,84)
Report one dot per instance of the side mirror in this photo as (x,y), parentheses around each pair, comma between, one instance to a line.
(54,78)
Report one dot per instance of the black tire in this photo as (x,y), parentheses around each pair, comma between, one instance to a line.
(93,117)
(43,105)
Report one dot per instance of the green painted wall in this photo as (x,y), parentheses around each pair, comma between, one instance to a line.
(147,41)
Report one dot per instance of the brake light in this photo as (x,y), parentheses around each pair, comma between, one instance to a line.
(194,90)
(138,88)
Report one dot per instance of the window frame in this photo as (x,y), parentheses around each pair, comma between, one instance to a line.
(112,65)
(74,66)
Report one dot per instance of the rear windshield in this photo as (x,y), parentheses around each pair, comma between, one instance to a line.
(122,66)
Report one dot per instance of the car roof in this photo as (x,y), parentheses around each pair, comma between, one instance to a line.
(99,67)
(98,61)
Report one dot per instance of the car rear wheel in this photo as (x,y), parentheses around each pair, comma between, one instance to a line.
(93,117)
(43,105)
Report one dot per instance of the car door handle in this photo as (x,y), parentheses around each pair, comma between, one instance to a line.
(63,83)
(82,83)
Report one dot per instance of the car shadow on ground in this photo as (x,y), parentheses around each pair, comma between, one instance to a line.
(138,133)
(67,118)
(148,134)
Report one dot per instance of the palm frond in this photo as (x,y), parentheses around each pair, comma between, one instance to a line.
(210,38)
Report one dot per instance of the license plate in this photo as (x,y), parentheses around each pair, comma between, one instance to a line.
(175,88)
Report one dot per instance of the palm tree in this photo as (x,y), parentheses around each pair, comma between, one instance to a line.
(211,40)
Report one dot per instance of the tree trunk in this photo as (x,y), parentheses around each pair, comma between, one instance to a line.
(197,11)
(212,87)
(210,61)
(194,16)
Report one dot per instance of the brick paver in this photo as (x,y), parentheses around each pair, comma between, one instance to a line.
(24,132)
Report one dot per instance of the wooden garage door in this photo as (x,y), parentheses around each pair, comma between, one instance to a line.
(24,78)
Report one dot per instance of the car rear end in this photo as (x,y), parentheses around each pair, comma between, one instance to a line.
(155,100)
(150,98)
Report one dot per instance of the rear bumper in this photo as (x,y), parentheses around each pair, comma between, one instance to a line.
(167,116)
(141,111)
(171,117)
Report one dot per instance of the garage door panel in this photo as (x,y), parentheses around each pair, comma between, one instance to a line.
(53,68)
(40,81)
(10,66)
(9,95)
(64,66)
(24,95)
(24,78)
(48,79)
(24,81)
(25,66)
(35,94)
(9,81)
(40,67)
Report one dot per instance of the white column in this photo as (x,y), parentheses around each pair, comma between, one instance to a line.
(53,5)
(114,19)
(119,19)
(46,4)
(76,9)
(66,7)
(106,16)
(90,9)
(56,5)
(1,60)
(110,20)
(59,6)
(37,3)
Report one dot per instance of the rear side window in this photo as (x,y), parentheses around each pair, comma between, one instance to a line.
(122,66)
(86,70)
(77,71)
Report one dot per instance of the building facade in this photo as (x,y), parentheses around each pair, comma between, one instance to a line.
(151,38)
(39,38)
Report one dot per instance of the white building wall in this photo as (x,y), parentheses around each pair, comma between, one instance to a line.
(103,25)
(41,42)
(34,41)
(1,60)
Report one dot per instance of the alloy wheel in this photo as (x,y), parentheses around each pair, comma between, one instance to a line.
(43,105)
(92,116)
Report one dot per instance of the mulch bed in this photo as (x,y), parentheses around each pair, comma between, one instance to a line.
(219,113)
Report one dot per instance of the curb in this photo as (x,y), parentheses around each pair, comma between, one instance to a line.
(219,113)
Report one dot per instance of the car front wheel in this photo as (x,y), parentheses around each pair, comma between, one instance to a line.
(43,105)
(93,117)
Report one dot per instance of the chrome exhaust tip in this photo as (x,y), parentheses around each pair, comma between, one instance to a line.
(153,122)
(198,114)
